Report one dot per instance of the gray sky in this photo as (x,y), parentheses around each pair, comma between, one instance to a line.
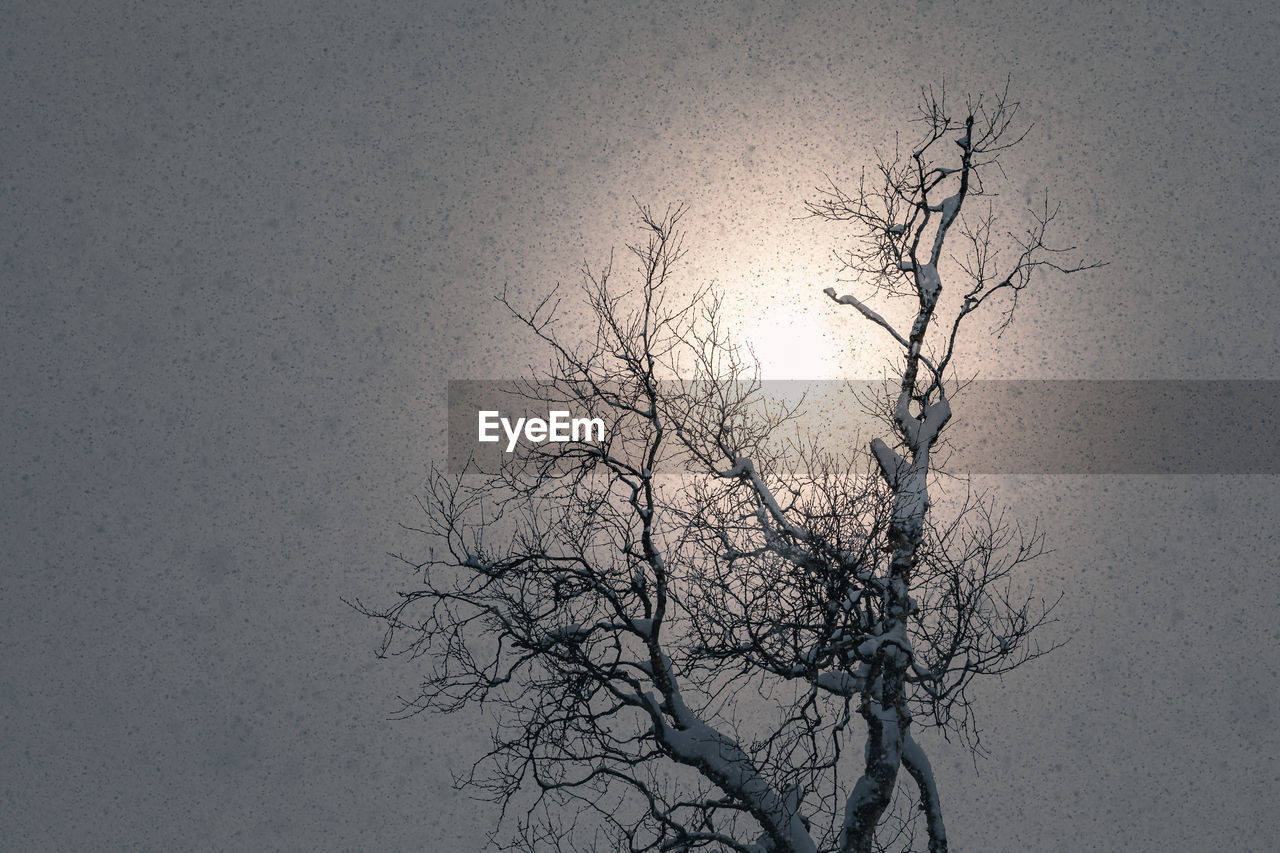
(245,246)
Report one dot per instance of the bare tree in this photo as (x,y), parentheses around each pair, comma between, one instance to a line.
(677,628)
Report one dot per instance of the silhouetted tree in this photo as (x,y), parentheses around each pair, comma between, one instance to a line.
(683,629)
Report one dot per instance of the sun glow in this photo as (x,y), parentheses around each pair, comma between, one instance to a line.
(793,343)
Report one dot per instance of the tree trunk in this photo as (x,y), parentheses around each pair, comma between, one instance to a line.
(884,705)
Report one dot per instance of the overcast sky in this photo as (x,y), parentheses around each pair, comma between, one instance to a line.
(244,246)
